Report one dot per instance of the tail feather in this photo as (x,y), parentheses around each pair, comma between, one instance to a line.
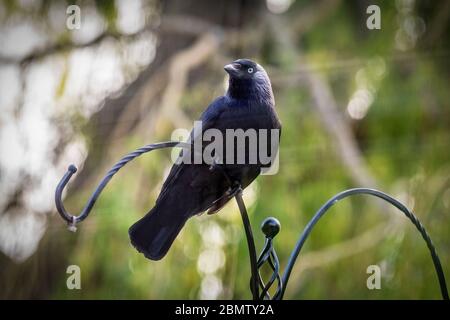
(154,234)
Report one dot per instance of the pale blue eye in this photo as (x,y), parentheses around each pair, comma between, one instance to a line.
(250,70)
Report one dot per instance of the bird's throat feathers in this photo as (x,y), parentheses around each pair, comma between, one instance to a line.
(257,88)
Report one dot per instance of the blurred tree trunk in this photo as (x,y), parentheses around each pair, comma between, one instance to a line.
(223,13)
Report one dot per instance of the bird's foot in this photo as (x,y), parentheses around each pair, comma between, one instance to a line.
(234,189)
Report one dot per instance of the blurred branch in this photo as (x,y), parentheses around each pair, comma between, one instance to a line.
(334,123)
(176,76)
(66,46)
(340,131)
(159,88)
(346,149)
(140,102)
(300,74)
(180,66)
(189,25)
(170,81)
(181,24)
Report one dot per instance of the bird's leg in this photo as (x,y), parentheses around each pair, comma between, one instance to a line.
(235,186)
(234,189)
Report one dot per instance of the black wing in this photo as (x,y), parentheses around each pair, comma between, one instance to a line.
(209,119)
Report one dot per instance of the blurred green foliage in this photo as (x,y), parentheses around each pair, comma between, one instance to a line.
(405,140)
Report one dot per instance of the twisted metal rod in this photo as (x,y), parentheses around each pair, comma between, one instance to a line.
(268,253)
(72,220)
(379,194)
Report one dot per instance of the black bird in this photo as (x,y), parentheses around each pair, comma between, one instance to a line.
(191,189)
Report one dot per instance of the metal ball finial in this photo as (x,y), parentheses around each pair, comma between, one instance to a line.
(270,227)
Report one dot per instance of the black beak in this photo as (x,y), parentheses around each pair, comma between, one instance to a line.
(230,69)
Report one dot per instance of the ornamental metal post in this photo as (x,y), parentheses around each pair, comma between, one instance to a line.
(270,226)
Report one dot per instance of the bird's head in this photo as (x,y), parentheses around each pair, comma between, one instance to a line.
(242,69)
(248,80)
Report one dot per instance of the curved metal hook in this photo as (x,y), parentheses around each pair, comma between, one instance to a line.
(72,220)
(387,198)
